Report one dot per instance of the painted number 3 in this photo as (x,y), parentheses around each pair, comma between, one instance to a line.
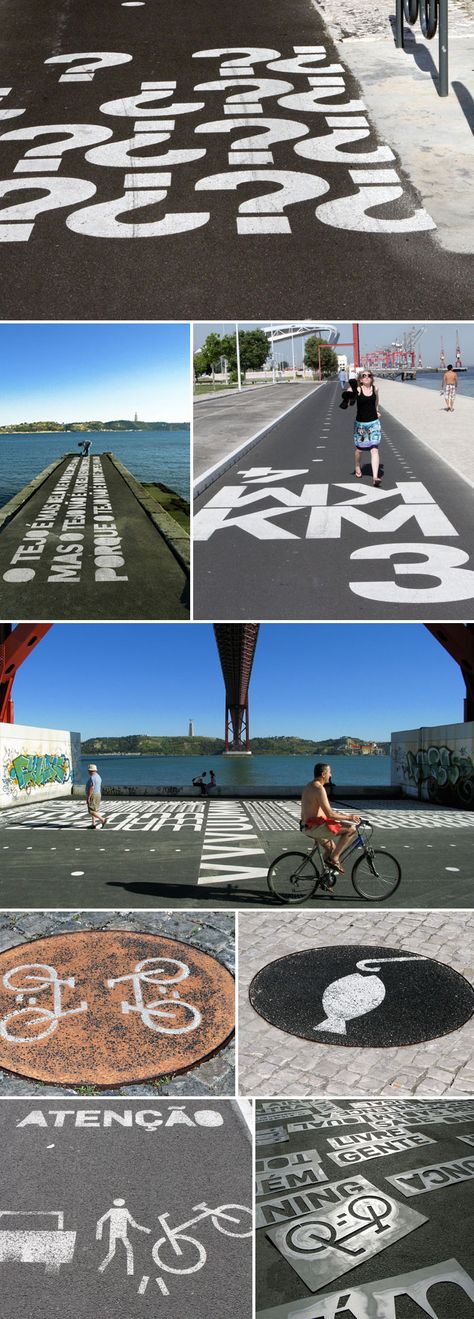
(444,562)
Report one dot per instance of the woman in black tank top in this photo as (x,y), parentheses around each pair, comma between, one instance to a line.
(367,431)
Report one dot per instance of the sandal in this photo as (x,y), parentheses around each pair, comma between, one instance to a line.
(358,473)
(335,865)
(377,480)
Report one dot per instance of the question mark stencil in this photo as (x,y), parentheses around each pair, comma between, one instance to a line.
(85,72)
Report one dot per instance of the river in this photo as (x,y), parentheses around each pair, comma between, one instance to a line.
(248,771)
(151,455)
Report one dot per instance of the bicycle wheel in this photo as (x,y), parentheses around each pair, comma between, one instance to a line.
(376,875)
(27,1025)
(193,1255)
(429,17)
(292,877)
(233,1221)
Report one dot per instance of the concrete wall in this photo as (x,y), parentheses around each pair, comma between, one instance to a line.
(264,791)
(36,763)
(435,764)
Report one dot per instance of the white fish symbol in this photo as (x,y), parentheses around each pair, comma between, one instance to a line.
(354,995)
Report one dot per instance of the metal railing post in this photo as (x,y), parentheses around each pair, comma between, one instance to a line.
(443,84)
(399,30)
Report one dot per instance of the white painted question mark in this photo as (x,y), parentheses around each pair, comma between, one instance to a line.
(253,150)
(47,155)
(92,61)
(16,221)
(249,55)
(265,214)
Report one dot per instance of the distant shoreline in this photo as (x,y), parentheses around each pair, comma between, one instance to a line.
(104,430)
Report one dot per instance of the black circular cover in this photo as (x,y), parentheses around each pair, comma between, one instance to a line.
(360,995)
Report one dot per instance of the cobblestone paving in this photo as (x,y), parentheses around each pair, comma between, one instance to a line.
(214,934)
(272,1063)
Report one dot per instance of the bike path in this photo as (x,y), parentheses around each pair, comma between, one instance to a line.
(200,217)
(384,1140)
(315,543)
(65,1167)
(159,855)
(82,546)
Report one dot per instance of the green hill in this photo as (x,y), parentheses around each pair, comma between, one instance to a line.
(147,744)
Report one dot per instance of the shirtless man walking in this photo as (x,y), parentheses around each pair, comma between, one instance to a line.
(450,384)
(320,821)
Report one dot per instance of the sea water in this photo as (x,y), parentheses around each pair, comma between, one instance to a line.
(245,771)
(150,455)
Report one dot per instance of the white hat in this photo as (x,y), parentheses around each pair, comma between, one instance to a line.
(92,769)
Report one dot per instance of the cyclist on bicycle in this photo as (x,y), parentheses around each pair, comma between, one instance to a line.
(318,820)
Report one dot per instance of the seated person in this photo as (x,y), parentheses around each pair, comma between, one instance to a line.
(321,822)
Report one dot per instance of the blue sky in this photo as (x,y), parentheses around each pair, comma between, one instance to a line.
(376,335)
(94,372)
(315,680)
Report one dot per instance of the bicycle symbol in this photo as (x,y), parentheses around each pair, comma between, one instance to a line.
(316,1237)
(169,1248)
(169,1006)
(26,982)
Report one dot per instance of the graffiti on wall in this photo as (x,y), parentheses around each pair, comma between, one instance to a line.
(24,771)
(446,775)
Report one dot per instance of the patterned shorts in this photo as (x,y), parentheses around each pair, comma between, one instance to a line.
(367,434)
(449,392)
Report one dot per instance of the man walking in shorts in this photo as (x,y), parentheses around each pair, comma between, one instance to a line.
(450,384)
(94,796)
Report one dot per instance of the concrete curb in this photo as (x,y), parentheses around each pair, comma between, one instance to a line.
(212,474)
(259,791)
(175,536)
(14,505)
(247,389)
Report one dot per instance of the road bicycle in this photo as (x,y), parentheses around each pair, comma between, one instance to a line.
(295,876)
(236,1223)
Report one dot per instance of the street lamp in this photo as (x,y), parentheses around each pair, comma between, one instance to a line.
(237,348)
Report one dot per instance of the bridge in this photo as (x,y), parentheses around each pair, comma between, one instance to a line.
(236,644)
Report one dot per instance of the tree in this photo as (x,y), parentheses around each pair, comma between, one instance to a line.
(254,349)
(200,365)
(329,361)
(212,352)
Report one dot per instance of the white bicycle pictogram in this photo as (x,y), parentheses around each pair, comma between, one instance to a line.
(162,972)
(316,1237)
(233,1220)
(26,982)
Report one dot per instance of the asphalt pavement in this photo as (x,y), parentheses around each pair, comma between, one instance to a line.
(313,542)
(412,1229)
(83,1190)
(157,854)
(82,546)
(141,205)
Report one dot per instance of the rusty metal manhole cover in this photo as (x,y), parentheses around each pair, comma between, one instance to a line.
(110,1007)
